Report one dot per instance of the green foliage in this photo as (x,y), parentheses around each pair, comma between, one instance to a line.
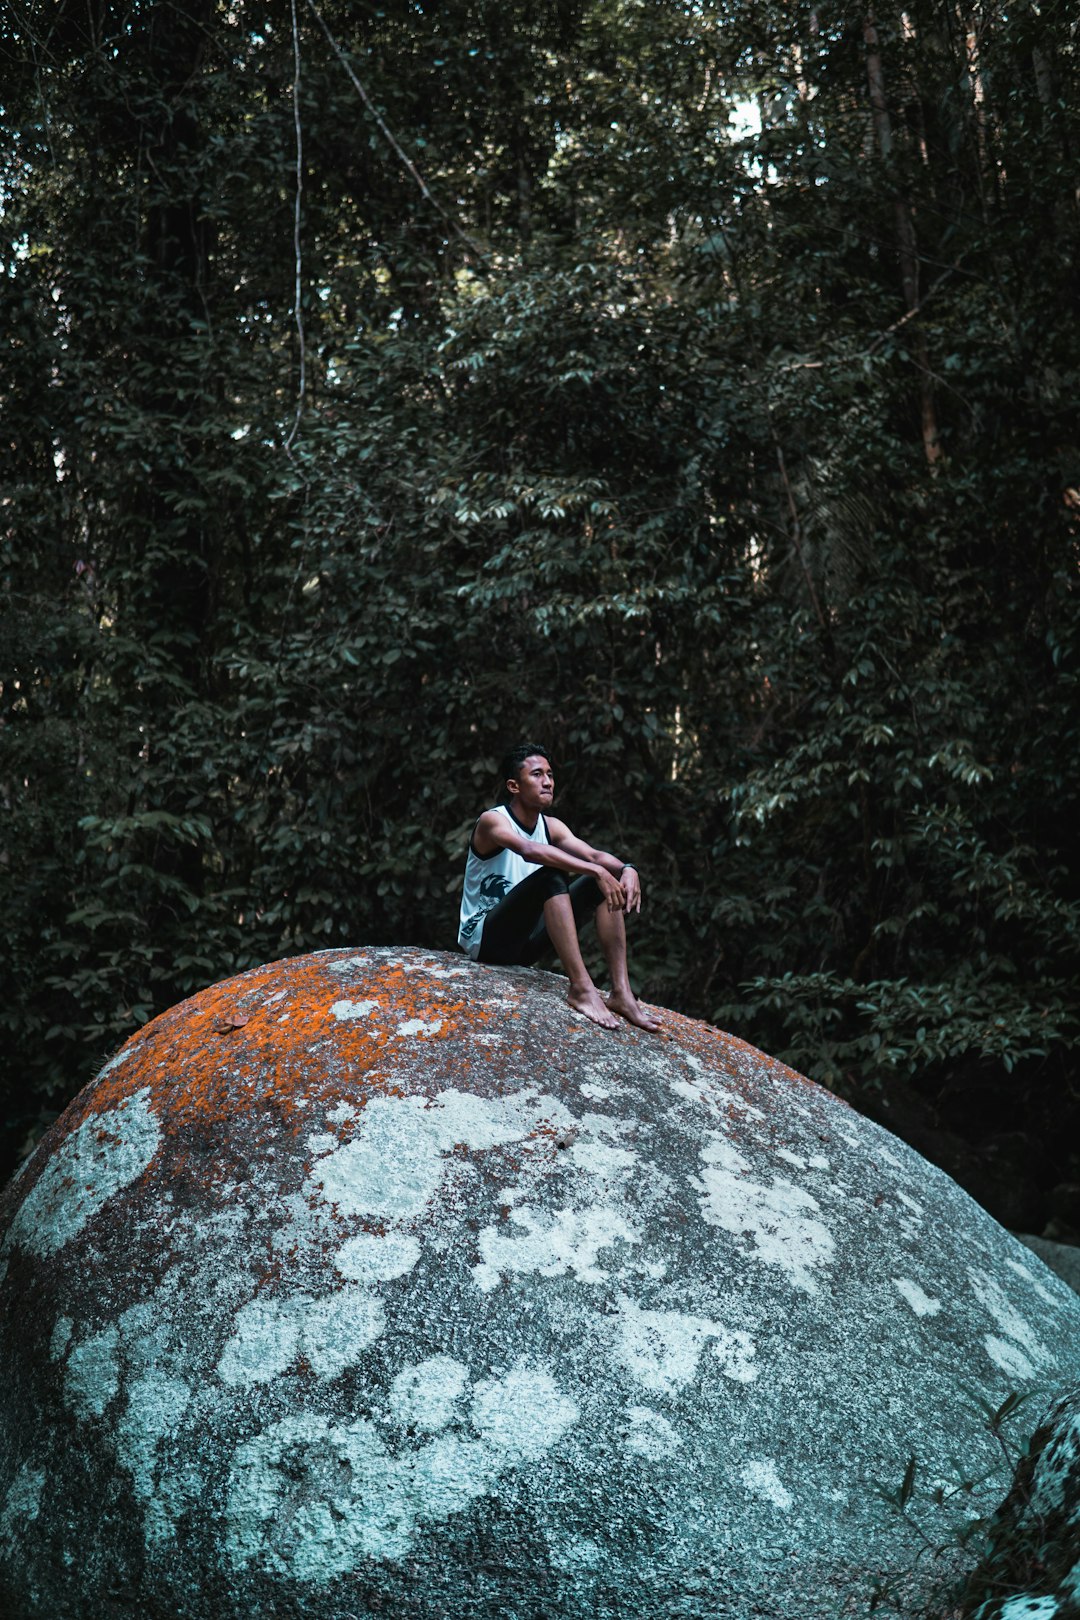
(742,467)
(953,1519)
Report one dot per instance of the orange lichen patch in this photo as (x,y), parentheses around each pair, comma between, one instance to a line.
(276,1040)
(270,1055)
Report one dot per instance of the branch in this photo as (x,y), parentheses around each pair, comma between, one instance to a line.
(886,332)
(297,248)
(404,159)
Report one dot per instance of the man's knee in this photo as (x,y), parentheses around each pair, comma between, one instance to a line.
(586,896)
(552,884)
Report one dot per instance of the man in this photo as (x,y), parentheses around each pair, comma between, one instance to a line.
(529,883)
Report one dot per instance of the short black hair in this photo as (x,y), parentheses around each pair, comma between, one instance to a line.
(514,759)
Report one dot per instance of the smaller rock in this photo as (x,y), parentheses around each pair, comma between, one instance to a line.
(1062,1258)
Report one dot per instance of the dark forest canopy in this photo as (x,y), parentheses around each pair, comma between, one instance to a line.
(693,385)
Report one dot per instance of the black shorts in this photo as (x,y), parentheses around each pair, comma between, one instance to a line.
(514,934)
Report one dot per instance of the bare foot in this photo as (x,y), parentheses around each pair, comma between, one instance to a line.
(630,1008)
(591,1003)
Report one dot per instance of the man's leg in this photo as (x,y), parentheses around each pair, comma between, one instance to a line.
(611,927)
(535,916)
(587,900)
(561,928)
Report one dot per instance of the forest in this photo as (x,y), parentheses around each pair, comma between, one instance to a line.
(692,387)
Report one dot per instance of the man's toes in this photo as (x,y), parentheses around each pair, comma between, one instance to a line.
(593,1008)
(634,1013)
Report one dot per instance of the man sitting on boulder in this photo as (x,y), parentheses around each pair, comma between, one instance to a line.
(529,883)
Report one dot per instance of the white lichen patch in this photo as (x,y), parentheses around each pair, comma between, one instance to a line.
(345,1010)
(916,1209)
(649,1434)
(716,1099)
(395,1163)
(103,1156)
(690,1092)
(330,1333)
(426,1396)
(61,1336)
(369,1258)
(602,1159)
(707,1092)
(1029,1277)
(92,1376)
(342,1113)
(553,1244)
(1008,1356)
(572,1554)
(813,1161)
(420,1026)
(594,1092)
(320,1142)
(309,1496)
(761,1478)
(661,1350)
(156,1404)
(135,1373)
(348,964)
(780,1219)
(1025,1353)
(523,1414)
(432,971)
(1030,1608)
(337,1329)
(22,1504)
(921,1303)
(116,1061)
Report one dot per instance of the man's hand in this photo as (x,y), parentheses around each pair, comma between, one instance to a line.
(631,885)
(611,889)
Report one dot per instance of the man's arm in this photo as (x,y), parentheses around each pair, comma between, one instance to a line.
(493,831)
(563,839)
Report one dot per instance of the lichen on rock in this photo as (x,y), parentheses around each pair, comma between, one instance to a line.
(377,1281)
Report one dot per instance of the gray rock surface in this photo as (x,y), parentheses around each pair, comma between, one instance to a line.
(378,1282)
(1062,1258)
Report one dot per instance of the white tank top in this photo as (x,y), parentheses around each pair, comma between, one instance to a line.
(488,878)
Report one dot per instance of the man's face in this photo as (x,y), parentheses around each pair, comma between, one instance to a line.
(534,784)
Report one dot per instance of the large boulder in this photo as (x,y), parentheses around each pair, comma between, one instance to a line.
(381,1283)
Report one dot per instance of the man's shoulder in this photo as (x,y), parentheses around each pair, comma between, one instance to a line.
(487,822)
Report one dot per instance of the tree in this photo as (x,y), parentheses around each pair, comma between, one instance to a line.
(389,381)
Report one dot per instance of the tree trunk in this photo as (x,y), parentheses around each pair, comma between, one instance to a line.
(906,243)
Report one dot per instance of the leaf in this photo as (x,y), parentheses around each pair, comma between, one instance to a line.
(230,1021)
